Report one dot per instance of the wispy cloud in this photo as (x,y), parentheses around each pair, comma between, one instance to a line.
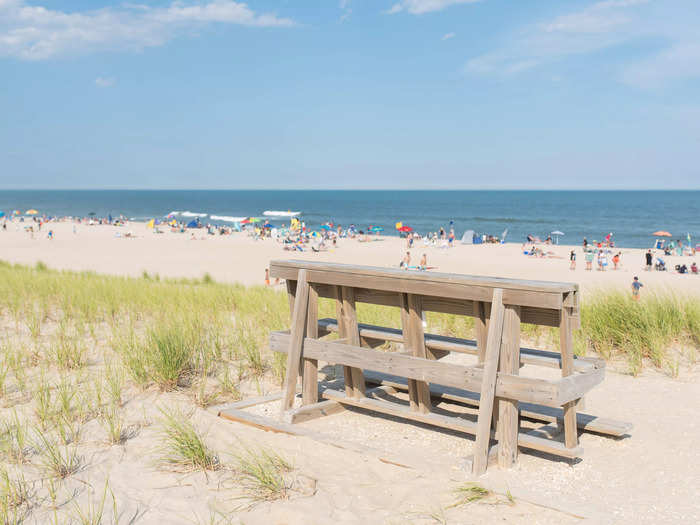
(346,10)
(38,33)
(105,82)
(418,7)
(600,26)
(447,36)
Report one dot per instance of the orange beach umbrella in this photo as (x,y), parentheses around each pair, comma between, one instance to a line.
(662,233)
(31,212)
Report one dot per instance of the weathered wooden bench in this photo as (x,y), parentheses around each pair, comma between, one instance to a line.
(493,384)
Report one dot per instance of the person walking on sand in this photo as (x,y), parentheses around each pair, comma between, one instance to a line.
(572,258)
(636,286)
(649,259)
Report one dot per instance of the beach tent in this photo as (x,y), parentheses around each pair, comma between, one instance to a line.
(151,223)
(556,234)
(468,237)
(193,224)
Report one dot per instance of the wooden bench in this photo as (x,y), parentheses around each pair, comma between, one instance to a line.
(493,384)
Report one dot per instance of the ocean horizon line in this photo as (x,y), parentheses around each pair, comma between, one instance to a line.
(401,190)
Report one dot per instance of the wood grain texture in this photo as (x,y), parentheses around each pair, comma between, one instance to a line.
(509,386)
(352,332)
(488,384)
(567,359)
(414,343)
(541,413)
(309,392)
(296,341)
(508,420)
(540,294)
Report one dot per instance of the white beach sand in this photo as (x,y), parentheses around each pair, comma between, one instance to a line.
(650,477)
(239,258)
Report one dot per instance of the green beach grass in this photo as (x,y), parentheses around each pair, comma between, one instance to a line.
(177,333)
(77,349)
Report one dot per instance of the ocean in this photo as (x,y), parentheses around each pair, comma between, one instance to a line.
(631,216)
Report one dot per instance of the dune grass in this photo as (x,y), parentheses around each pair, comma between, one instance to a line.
(183,446)
(263,475)
(176,333)
(613,324)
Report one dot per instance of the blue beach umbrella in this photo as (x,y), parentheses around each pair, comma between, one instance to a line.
(2,213)
(376,229)
(325,227)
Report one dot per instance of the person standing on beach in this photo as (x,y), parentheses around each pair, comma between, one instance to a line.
(267,277)
(589,260)
(636,286)
(572,258)
(649,259)
(616,260)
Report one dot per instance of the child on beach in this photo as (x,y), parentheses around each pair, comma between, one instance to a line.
(572,258)
(423,262)
(406,262)
(616,260)
(636,285)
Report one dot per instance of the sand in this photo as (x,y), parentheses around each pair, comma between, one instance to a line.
(650,476)
(239,258)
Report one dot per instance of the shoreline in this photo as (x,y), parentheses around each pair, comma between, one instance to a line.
(238,258)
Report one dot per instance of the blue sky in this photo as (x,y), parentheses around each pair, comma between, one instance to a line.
(350,94)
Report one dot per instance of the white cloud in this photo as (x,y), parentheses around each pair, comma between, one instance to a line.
(105,82)
(418,7)
(447,36)
(37,33)
(679,61)
(600,26)
(346,10)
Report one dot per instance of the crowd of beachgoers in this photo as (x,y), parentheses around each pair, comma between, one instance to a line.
(293,235)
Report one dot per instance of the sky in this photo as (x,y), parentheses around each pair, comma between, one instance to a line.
(405,94)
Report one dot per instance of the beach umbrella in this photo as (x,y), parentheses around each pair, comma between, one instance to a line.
(254,220)
(2,213)
(662,233)
(376,229)
(405,229)
(325,227)
(31,212)
(399,225)
(557,233)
